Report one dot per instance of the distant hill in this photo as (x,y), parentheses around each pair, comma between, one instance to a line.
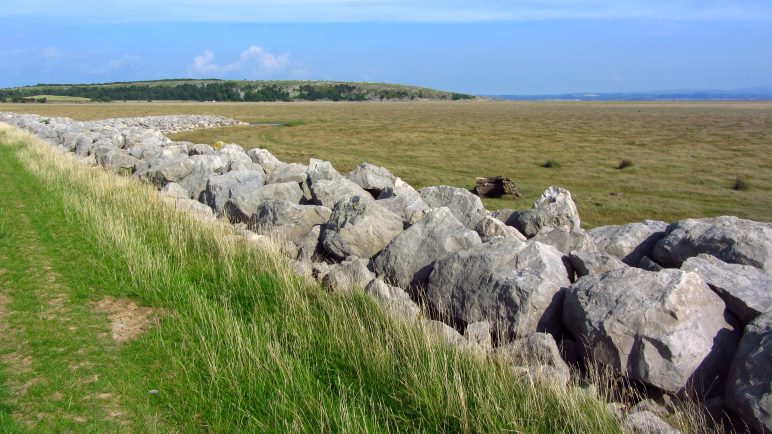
(230,90)
(750,94)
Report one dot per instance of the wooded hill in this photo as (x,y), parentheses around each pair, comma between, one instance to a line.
(220,90)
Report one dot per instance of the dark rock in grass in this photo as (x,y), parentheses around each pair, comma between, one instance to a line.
(749,389)
(667,329)
(516,286)
(629,242)
(465,206)
(746,290)
(731,239)
(408,259)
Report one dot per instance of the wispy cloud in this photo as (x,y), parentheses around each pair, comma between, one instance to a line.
(394,10)
(254,62)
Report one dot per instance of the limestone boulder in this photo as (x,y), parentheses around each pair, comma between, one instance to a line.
(243,204)
(554,209)
(347,275)
(220,188)
(490,227)
(630,242)
(592,263)
(374,179)
(293,172)
(265,159)
(328,192)
(320,169)
(746,290)
(749,389)
(516,286)
(359,228)
(465,206)
(731,239)
(404,201)
(567,241)
(667,329)
(286,220)
(393,298)
(537,352)
(408,259)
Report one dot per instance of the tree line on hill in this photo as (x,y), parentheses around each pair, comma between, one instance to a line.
(223,91)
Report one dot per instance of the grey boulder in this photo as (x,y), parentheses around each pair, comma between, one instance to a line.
(328,192)
(243,204)
(347,275)
(539,354)
(394,299)
(287,221)
(358,228)
(667,329)
(629,242)
(489,227)
(731,239)
(320,169)
(749,389)
(408,259)
(293,172)
(746,290)
(554,209)
(374,179)
(567,241)
(465,206)
(591,263)
(265,159)
(516,286)
(647,422)
(220,188)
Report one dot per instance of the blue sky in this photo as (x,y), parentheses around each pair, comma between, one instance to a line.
(484,47)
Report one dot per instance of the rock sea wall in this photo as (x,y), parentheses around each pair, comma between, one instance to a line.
(681,308)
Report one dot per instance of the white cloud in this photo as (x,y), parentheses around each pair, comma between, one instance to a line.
(391,10)
(254,62)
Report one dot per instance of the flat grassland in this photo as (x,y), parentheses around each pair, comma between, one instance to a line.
(686,157)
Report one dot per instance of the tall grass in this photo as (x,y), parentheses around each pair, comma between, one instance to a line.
(250,347)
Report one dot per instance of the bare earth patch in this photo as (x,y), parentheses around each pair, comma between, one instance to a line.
(129,320)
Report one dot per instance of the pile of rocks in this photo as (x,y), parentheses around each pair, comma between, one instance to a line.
(682,308)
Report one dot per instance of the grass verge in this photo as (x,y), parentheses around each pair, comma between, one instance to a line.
(244,345)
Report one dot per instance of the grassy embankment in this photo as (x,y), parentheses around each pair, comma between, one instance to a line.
(242,345)
(686,157)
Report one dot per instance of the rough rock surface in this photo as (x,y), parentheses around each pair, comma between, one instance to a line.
(404,201)
(537,352)
(220,188)
(585,263)
(328,192)
(395,299)
(489,227)
(749,389)
(629,242)
(647,422)
(731,239)
(347,275)
(286,220)
(292,172)
(407,260)
(746,290)
(265,159)
(320,169)
(374,179)
(465,206)
(243,205)
(516,286)
(667,329)
(567,241)
(554,209)
(359,229)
